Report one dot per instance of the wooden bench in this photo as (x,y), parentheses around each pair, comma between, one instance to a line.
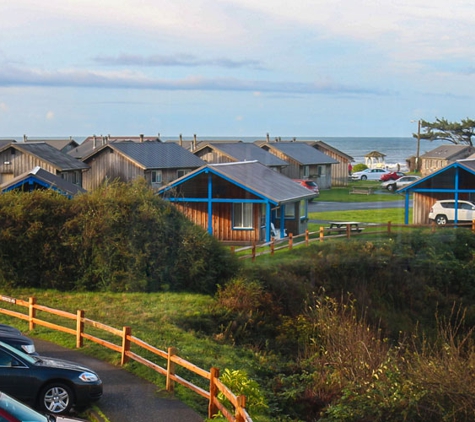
(362,191)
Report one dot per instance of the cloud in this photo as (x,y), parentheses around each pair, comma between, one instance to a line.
(11,76)
(182,60)
(3,107)
(50,115)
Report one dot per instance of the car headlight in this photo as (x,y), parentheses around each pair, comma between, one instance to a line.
(88,377)
(28,348)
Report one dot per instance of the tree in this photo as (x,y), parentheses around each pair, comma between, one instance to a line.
(458,133)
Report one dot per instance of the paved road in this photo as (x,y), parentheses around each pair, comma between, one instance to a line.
(127,398)
(316,206)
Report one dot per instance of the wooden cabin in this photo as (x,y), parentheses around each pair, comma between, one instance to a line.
(18,158)
(217,153)
(158,163)
(442,156)
(40,179)
(242,202)
(455,181)
(340,170)
(304,161)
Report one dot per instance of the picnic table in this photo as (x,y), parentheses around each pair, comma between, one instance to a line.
(344,226)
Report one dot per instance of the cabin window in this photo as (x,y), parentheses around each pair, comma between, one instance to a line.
(289,211)
(156,176)
(242,216)
(182,172)
(303,209)
(306,171)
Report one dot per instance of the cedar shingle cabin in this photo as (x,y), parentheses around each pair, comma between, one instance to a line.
(340,170)
(455,181)
(42,179)
(63,145)
(304,161)
(159,163)
(237,202)
(91,143)
(217,153)
(442,156)
(18,158)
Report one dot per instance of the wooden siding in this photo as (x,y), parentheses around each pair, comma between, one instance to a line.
(21,163)
(339,172)
(211,156)
(222,221)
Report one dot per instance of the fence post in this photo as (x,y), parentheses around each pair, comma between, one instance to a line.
(126,331)
(432,227)
(31,313)
(348,231)
(233,249)
(272,246)
(170,370)
(213,392)
(473,225)
(241,403)
(306,237)
(291,241)
(79,328)
(389,227)
(321,234)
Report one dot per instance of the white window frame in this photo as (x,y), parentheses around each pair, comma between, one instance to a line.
(183,172)
(243,216)
(156,177)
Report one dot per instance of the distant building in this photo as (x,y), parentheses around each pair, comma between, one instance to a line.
(442,156)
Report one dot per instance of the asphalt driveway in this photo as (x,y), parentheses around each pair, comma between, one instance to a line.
(126,398)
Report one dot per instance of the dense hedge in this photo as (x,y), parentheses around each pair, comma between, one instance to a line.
(120,237)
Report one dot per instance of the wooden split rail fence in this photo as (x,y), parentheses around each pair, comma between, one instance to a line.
(308,237)
(237,414)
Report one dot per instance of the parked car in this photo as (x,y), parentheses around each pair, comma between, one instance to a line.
(393,185)
(309,184)
(369,174)
(52,385)
(443,211)
(12,410)
(15,338)
(393,175)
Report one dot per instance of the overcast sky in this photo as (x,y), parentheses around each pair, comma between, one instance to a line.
(234,67)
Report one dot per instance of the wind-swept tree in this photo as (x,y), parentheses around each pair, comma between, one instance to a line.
(458,133)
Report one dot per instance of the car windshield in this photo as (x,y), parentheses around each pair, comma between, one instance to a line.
(19,410)
(26,357)
(312,184)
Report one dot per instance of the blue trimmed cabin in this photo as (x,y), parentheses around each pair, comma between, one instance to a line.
(241,202)
(455,181)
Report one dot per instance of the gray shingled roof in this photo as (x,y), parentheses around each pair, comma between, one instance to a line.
(248,152)
(49,154)
(261,179)
(65,187)
(302,152)
(158,155)
(445,151)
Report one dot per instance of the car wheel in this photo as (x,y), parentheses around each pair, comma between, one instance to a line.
(391,187)
(56,398)
(364,177)
(441,220)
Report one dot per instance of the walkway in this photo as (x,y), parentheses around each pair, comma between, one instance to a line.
(127,398)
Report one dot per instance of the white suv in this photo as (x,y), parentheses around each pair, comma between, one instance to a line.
(444,211)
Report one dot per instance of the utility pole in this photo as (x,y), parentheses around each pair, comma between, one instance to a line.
(418,145)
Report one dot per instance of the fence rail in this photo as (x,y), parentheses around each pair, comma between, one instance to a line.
(237,414)
(258,249)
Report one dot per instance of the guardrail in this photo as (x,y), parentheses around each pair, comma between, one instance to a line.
(237,414)
(258,249)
